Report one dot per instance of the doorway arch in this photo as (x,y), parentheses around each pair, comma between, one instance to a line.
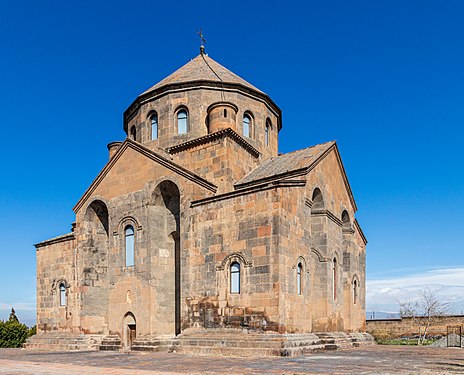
(129,330)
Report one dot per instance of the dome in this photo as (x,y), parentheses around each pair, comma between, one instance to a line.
(202,69)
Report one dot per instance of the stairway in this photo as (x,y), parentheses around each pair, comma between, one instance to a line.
(110,342)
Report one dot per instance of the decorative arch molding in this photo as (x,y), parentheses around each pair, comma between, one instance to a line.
(319,255)
(301,260)
(181,107)
(268,122)
(57,282)
(239,257)
(355,278)
(247,112)
(151,112)
(127,220)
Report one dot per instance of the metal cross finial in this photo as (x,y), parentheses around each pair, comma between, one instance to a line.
(203,41)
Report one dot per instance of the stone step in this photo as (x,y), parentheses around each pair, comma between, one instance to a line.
(263,344)
(111,343)
(63,341)
(145,348)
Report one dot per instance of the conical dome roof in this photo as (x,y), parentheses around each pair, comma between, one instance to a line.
(202,68)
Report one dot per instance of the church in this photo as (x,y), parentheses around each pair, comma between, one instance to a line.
(197,236)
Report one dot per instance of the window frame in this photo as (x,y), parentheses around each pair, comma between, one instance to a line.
(267,132)
(235,278)
(152,117)
(248,116)
(127,250)
(62,294)
(299,272)
(187,125)
(334,278)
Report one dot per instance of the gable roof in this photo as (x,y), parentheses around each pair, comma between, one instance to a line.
(202,68)
(151,155)
(296,163)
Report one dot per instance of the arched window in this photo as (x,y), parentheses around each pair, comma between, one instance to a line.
(129,243)
(334,277)
(235,277)
(355,291)
(298,278)
(62,294)
(182,122)
(133,133)
(154,126)
(267,130)
(246,125)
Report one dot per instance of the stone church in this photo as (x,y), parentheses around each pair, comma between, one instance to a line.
(198,236)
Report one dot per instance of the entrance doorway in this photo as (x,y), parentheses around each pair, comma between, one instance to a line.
(129,330)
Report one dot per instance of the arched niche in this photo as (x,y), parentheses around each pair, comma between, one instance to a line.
(97,218)
(318,199)
(346,222)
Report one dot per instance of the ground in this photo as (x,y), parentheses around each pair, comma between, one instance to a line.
(379,359)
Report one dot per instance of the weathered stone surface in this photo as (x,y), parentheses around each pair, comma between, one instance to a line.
(196,204)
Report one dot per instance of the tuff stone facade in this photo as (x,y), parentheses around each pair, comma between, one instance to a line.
(198,203)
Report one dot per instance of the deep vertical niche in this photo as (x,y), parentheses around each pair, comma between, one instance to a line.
(175,237)
(167,195)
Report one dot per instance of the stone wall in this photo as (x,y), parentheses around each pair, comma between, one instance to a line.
(394,328)
(243,229)
(55,265)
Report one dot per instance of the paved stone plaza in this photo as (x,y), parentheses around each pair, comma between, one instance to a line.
(367,360)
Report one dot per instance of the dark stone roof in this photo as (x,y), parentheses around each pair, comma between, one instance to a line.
(281,165)
(202,68)
(63,237)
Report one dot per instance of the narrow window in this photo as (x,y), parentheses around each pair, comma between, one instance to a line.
(129,237)
(154,126)
(62,294)
(133,133)
(246,125)
(182,120)
(298,278)
(266,135)
(334,276)
(225,112)
(355,292)
(235,278)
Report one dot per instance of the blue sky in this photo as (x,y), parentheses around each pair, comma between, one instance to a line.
(383,78)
